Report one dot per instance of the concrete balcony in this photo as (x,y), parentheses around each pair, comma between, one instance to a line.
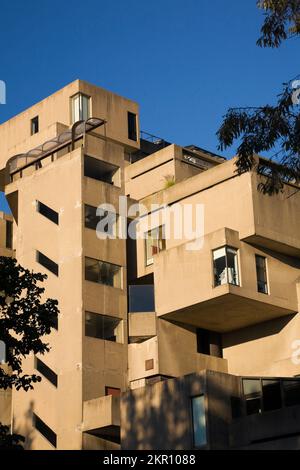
(189,275)
(101,417)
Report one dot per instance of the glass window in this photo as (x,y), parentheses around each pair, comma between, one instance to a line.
(103,327)
(132,131)
(80,107)
(226,266)
(271,395)
(199,421)
(291,391)
(102,272)
(253,396)
(34,125)
(155,242)
(9,234)
(261,274)
(109,220)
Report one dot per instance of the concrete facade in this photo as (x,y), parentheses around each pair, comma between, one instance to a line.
(146,324)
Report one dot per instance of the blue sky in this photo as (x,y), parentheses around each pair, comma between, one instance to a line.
(185,62)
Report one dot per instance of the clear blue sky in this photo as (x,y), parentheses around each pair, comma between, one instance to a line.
(184,61)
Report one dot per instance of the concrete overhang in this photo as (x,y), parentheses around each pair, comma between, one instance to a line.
(228,311)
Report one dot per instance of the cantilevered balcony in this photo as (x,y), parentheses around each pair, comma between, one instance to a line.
(201,295)
(101,417)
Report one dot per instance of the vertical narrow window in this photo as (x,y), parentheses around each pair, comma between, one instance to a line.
(132,128)
(9,234)
(80,107)
(199,421)
(34,125)
(155,242)
(226,266)
(261,274)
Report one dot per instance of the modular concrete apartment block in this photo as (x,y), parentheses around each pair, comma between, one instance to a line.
(163,341)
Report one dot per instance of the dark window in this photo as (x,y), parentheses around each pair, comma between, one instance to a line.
(141,298)
(44,430)
(109,220)
(47,263)
(226,266)
(34,125)
(209,342)
(116,392)
(46,371)
(103,327)
(132,132)
(46,211)
(271,395)
(253,395)
(9,234)
(100,170)
(261,274)
(102,272)
(203,341)
(291,391)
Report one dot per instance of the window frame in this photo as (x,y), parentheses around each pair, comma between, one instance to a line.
(257,256)
(194,445)
(132,126)
(42,209)
(149,261)
(81,116)
(102,317)
(34,125)
(9,234)
(98,261)
(238,275)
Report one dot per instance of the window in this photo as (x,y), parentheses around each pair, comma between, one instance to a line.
(9,234)
(291,391)
(199,421)
(155,242)
(103,327)
(47,263)
(115,392)
(44,430)
(261,274)
(47,212)
(252,393)
(34,125)
(271,395)
(109,221)
(141,298)
(102,272)
(46,371)
(132,131)
(226,266)
(101,171)
(80,107)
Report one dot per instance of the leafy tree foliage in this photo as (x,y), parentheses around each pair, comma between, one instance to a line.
(269,128)
(24,322)
(282,20)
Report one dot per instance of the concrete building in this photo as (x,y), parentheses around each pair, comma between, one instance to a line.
(184,335)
